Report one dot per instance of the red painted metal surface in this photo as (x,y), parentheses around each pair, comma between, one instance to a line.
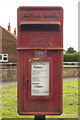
(40,29)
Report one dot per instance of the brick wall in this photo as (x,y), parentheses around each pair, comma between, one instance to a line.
(10,74)
(71,71)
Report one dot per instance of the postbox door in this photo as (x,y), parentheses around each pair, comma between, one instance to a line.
(40,78)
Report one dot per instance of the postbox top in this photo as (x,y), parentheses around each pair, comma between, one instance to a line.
(40,7)
(40,14)
(37,27)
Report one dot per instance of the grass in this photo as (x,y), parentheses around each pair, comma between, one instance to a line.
(9,103)
(70,101)
(70,65)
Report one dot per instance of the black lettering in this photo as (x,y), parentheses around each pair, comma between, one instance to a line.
(37,67)
(37,15)
(39,86)
(53,15)
(32,15)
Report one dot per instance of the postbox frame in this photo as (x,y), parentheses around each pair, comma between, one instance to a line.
(46,97)
(22,49)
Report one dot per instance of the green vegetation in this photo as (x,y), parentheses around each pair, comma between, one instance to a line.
(70,50)
(71,57)
(75,65)
(70,101)
(9,103)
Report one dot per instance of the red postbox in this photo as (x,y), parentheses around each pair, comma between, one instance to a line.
(40,60)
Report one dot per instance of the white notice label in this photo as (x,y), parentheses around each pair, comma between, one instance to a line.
(40,78)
